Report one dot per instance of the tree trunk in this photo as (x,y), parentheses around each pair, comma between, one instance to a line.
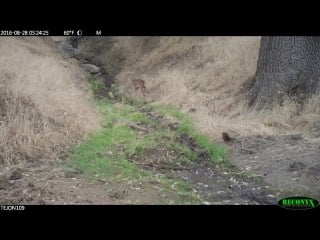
(287,67)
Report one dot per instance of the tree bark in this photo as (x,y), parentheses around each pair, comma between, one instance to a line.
(287,67)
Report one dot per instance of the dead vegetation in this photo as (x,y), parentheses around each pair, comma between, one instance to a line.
(205,76)
(208,74)
(45,104)
(39,119)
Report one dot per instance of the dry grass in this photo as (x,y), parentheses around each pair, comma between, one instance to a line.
(44,101)
(309,116)
(207,73)
(45,105)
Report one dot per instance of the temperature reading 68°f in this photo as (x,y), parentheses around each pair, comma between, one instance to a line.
(68,32)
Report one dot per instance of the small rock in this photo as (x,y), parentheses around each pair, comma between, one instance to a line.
(15,175)
(91,68)
(3,182)
(111,95)
(68,50)
(315,170)
(120,194)
(70,174)
(50,177)
(296,166)
(42,202)
(296,136)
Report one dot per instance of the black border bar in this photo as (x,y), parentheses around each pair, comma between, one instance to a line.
(236,28)
(155,210)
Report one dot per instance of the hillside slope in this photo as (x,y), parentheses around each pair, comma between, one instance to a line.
(209,77)
(46,107)
(38,115)
(209,74)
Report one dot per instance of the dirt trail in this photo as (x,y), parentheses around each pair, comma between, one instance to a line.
(267,169)
(49,184)
(275,167)
(286,162)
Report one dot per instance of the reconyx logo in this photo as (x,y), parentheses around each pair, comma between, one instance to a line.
(298,203)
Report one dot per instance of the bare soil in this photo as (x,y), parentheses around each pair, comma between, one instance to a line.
(286,162)
(266,169)
(49,184)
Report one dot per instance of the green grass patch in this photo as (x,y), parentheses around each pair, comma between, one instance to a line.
(187,127)
(218,153)
(110,149)
(140,146)
(185,154)
(105,154)
(171,111)
(182,191)
(120,112)
(94,85)
(139,117)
